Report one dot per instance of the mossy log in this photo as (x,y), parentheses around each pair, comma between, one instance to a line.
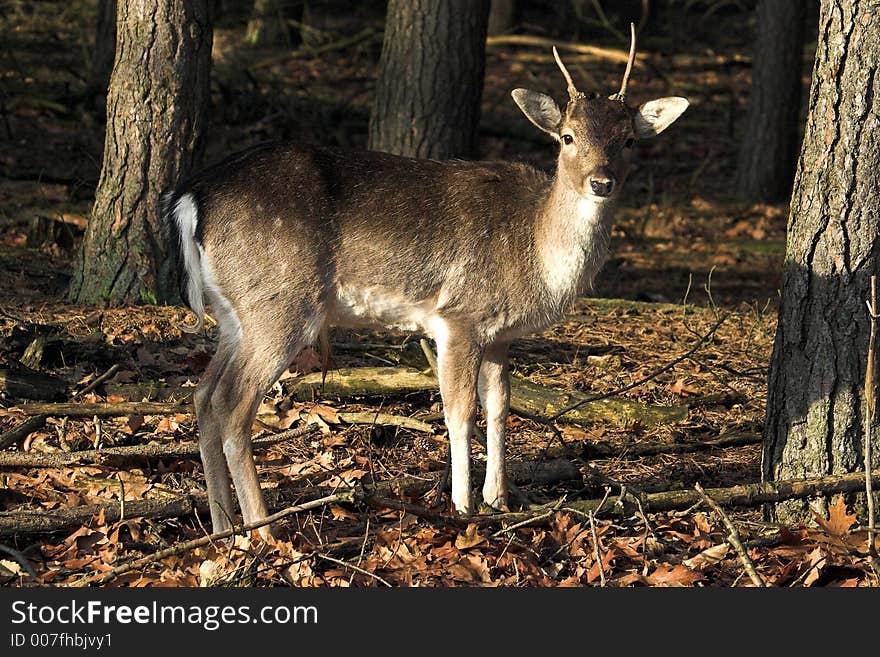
(525,396)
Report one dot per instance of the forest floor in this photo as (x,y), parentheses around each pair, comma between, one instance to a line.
(693,273)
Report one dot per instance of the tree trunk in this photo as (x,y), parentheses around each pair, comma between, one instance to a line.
(430,80)
(155,119)
(501,16)
(104,52)
(814,408)
(768,153)
(266,25)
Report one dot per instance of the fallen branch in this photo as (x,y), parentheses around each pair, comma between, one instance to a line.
(744,495)
(733,538)
(70,409)
(24,429)
(384,419)
(612,54)
(181,548)
(20,558)
(171,450)
(668,366)
(596,451)
(98,381)
(43,521)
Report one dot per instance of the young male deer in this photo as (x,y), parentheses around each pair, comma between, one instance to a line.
(283,240)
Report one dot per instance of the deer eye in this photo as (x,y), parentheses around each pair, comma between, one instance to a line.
(567,139)
(629,143)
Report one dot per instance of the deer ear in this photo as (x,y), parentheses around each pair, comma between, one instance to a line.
(540,109)
(655,116)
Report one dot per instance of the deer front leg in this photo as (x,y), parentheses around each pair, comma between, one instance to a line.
(494,389)
(458,363)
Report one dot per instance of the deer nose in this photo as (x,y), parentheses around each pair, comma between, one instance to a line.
(602,185)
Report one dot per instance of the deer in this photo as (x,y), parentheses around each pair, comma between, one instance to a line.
(284,240)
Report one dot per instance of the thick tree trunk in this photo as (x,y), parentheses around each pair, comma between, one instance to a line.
(155,119)
(501,16)
(768,153)
(430,81)
(814,409)
(266,25)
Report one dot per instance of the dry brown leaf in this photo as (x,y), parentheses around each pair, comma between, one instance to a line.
(673,575)
(471,538)
(681,388)
(839,521)
(708,557)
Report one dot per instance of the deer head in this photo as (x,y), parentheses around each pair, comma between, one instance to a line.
(596,134)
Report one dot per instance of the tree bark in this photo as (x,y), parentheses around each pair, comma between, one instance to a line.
(156,105)
(266,24)
(768,153)
(430,82)
(501,16)
(814,407)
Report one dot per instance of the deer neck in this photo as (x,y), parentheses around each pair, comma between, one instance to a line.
(573,234)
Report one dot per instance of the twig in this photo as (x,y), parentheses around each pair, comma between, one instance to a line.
(596,550)
(606,23)
(733,539)
(644,380)
(612,54)
(149,451)
(27,427)
(358,569)
(98,381)
(385,419)
(181,548)
(20,558)
(121,496)
(870,414)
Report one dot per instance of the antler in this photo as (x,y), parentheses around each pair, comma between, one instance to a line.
(573,93)
(621,95)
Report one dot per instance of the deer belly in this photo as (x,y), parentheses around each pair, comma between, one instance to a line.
(378,307)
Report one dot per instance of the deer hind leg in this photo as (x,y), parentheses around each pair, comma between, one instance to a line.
(494,390)
(256,366)
(458,363)
(211,442)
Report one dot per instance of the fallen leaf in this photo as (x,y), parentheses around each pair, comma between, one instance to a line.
(707,557)
(470,538)
(839,521)
(673,575)
(682,389)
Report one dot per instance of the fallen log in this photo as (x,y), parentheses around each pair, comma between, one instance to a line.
(43,521)
(71,409)
(21,431)
(31,385)
(147,451)
(525,396)
(745,495)
(534,399)
(597,451)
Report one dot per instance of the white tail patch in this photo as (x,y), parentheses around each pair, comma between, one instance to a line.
(186,214)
